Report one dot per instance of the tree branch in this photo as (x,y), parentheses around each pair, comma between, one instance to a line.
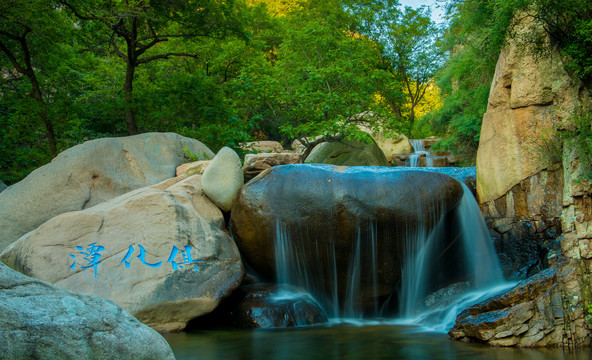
(77,13)
(12,58)
(164,56)
(116,49)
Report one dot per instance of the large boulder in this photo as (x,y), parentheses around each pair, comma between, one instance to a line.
(391,144)
(257,163)
(41,321)
(347,153)
(223,177)
(159,252)
(88,174)
(323,220)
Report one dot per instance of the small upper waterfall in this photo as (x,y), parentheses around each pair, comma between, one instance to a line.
(419,150)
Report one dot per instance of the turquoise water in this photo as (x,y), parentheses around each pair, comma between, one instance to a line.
(345,342)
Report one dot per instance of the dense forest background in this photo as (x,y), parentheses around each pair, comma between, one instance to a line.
(229,71)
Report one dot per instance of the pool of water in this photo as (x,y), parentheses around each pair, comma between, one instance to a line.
(345,341)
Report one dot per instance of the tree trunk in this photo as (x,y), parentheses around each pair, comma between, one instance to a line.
(396,110)
(411,116)
(43,112)
(128,88)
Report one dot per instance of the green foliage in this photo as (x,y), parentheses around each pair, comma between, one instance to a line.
(569,24)
(578,134)
(323,75)
(227,73)
(477,32)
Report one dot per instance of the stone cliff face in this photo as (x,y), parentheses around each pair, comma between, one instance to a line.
(520,180)
(538,209)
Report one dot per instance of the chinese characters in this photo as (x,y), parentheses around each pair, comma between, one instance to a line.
(177,258)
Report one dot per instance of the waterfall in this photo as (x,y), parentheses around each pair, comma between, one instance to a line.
(417,145)
(419,150)
(480,263)
(289,258)
(440,250)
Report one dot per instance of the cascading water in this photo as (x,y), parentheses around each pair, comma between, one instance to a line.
(290,257)
(480,263)
(424,263)
(368,242)
(419,150)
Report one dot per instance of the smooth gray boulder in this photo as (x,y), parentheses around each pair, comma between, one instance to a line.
(89,174)
(347,153)
(223,178)
(41,321)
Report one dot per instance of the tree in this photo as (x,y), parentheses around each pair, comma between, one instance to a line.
(411,58)
(25,35)
(324,76)
(136,30)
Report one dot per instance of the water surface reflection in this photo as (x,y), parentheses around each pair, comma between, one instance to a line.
(345,341)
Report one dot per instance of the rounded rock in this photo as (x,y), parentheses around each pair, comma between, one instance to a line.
(223,178)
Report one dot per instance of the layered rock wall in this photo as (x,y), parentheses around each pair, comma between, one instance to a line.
(537,206)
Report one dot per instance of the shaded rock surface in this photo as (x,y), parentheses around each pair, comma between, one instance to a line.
(347,153)
(3,186)
(41,321)
(327,214)
(257,163)
(539,311)
(265,306)
(138,267)
(88,174)
(222,178)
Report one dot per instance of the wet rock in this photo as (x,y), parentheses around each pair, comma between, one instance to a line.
(193,168)
(265,306)
(41,321)
(446,295)
(144,243)
(347,153)
(222,178)
(466,175)
(525,222)
(257,163)
(434,161)
(539,311)
(327,214)
(88,174)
